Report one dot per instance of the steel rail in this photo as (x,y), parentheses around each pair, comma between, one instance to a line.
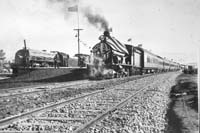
(38,85)
(9,120)
(101,116)
(40,91)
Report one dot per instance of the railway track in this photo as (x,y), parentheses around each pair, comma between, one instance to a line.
(26,101)
(12,92)
(51,106)
(19,91)
(75,114)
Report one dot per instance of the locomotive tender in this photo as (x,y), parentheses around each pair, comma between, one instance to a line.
(124,59)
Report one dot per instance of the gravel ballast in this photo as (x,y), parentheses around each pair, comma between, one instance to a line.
(144,113)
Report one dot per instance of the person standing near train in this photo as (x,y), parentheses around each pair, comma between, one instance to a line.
(56,61)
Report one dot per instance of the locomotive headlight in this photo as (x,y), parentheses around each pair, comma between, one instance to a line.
(102,37)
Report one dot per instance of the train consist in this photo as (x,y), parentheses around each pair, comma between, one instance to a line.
(111,58)
(35,58)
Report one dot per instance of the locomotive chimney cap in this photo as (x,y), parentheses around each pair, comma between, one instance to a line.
(106,33)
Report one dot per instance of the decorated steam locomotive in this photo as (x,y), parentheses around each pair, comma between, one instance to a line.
(111,58)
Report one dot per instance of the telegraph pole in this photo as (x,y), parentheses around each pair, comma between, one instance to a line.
(78,35)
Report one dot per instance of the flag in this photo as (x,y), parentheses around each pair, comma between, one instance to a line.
(129,40)
(73,8)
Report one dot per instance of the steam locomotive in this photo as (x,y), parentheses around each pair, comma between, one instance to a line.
(111,58)
(36,58)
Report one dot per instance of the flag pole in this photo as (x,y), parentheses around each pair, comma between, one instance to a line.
(76,9)
(78,13)
(78,33)
(78,27)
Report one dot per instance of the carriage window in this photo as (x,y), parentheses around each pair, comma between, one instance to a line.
(148,59)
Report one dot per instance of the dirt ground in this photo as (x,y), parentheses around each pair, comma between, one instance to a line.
(182,115)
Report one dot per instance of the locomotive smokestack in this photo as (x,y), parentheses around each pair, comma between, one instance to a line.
(106,33)
(24,44)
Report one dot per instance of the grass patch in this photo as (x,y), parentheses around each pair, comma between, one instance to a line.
(183,110)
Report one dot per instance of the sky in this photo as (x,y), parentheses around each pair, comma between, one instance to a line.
(169,28)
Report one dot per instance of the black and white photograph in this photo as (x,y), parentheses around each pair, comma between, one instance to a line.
(99,66)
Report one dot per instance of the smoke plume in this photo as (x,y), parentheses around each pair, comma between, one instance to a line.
(96,20)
